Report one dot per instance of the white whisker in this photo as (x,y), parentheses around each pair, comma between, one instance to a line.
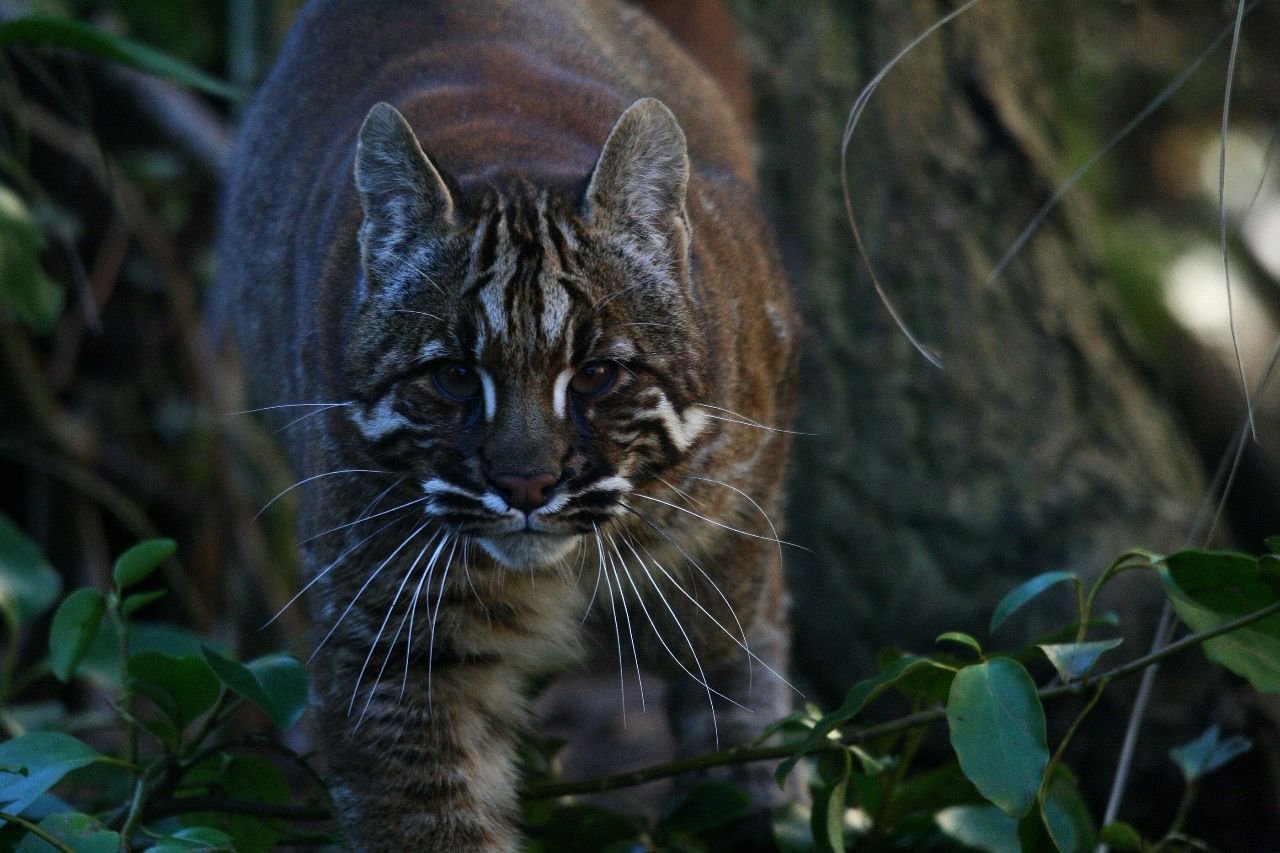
(365,586)
(316,477)
(302,418)
(363,520)
(718,523)
(435,617)
(413,613)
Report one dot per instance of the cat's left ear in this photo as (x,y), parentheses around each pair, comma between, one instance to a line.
(404,197)
(639,183)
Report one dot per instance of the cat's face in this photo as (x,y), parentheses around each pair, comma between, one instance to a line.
(527,358)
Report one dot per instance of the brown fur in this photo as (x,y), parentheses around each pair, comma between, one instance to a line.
(516,224)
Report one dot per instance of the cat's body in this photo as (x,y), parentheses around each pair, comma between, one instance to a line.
(560,356)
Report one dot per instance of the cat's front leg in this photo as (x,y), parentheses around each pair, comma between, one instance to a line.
(421,771)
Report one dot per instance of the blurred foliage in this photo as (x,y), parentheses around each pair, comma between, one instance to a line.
(115,425)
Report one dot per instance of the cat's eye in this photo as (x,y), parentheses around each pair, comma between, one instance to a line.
(594,379)
(457,381)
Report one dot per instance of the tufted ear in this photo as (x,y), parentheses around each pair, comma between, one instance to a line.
(639,183)
(404,197)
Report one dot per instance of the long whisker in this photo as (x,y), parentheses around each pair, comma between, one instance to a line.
(413,613)
(435,617)
(423,313)
(365,586)
(772,528)
(599,570)
(285,406)
(746,421)
(707,613)
(391,609)
(316,477)
(701,681)
(363,519)
(717,523)
(706,576)
(631,635)
(320,574)
(617,639)
(302,418)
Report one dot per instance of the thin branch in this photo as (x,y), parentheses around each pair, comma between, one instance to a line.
(747,755)
(43,835)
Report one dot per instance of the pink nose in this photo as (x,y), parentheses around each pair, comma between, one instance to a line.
(525,493)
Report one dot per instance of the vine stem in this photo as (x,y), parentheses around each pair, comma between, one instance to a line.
(43,835)
(747,754)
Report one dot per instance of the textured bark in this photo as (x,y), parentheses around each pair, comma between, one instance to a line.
(1042,445)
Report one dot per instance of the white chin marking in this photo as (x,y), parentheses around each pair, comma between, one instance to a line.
(527,550)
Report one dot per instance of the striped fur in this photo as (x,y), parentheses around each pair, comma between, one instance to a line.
(525,209)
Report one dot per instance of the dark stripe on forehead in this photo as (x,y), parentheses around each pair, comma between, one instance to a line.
(487,251)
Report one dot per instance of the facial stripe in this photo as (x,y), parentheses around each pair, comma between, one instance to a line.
(682,430)
(560,392)
(377,421)
(490,394)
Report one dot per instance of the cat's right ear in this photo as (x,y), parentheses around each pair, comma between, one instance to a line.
(404,197)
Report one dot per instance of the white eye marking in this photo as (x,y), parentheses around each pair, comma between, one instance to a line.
(490,394)
(681,429)
(560,393)
(378,420)
(431,349)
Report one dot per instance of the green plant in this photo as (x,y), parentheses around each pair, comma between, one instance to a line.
(176,764)
(1008,789)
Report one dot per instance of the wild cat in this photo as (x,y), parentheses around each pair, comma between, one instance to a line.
(512,254)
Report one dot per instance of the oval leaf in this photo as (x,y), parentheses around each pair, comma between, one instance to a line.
(1252,651)
(133,603)
(182,687)
(962,638)
(854,701)
(65,32)
(980,827)
(80,832)
(1074,660)
(141,560)
(1026,591)
(28,584)
(998,732)
(75,627)
(44,758)
(1207,753)
(1120,836)
(275,683)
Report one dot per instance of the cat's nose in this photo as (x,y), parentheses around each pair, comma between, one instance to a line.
(525,493)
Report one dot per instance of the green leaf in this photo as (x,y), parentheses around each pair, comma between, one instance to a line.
(194,839)
(830,791)
(983,827)
(1120,836)
(28,584)
(247,777)
(182,687)
(1025,592)
(1273,544)
(276,683)
(1066,815)
(103,665)
(65,32)
(44,758)
(1207,753)
(133,603)
(961,638)
(854,701)
(1252,651)
(80,832)
(998,732)
(25,290)
(1074,660)
(702,808)
(134,565)
(75,627)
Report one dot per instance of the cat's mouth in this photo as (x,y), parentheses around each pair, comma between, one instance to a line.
(528,548)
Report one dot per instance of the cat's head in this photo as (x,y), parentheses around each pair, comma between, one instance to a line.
(528,357)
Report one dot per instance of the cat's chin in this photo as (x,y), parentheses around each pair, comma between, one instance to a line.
(526,549)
